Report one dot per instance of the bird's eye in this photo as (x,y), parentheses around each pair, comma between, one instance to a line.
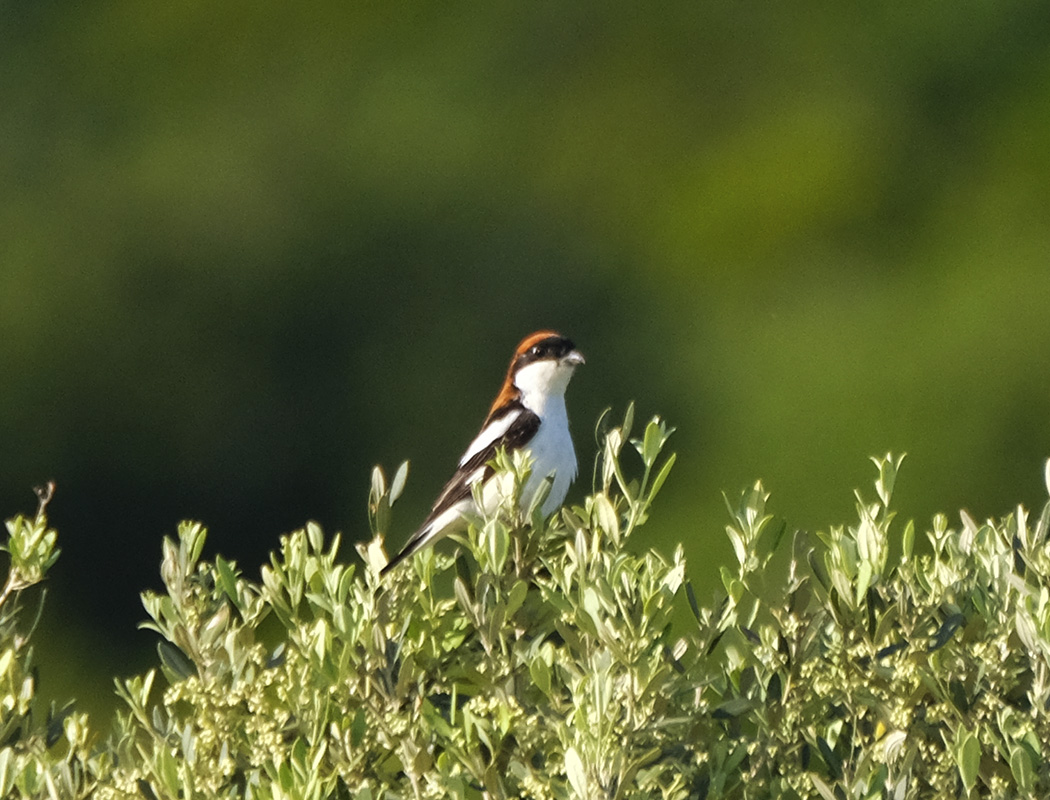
(536,350)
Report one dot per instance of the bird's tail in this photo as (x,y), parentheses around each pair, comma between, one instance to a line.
(416,542)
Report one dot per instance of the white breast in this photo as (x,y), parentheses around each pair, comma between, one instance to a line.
(552,452)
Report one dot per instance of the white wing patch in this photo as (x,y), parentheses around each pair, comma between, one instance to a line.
(444,522)
(475,476)
(489,434)
(453,515)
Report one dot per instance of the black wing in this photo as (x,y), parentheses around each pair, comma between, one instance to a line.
(518,434)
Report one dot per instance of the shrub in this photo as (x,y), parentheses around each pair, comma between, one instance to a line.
(52,759)
(544,659)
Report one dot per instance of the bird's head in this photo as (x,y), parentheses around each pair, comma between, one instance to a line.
(541,368)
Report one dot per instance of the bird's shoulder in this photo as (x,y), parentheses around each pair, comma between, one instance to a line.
(511,427)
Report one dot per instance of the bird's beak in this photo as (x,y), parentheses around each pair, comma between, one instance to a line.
(573,358)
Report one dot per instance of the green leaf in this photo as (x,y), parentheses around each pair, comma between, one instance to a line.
(908,541)
(968,759)
(732,585)
(498,540)
(651,443)
(655,437)
(628,422)
(541,674)
(732,708)
(606,517)
(832,760)
(661,476)
(381,515)
(592,604)
(1021,768)
(691,597)
(819,569)
(378,483)
(736,538)
(227,580)
(175,660)
(822,787)
(466,602)
(315,536)
(575,772)
(516,597)
(6,776)
(397,486)
(193,534)
(863,580)
(888,468)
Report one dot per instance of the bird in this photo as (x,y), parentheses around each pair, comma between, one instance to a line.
(528,414)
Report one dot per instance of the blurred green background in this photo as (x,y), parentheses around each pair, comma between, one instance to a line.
(250,249)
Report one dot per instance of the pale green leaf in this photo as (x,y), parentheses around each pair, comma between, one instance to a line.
(968,759)
(575,772)
(397,486)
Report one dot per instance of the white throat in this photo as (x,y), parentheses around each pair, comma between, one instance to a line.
(543,385)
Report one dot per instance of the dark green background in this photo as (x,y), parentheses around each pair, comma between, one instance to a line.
(249,249)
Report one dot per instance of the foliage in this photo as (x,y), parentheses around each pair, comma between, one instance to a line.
(543,659)
(529,665)
(856,676)
(52,760)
